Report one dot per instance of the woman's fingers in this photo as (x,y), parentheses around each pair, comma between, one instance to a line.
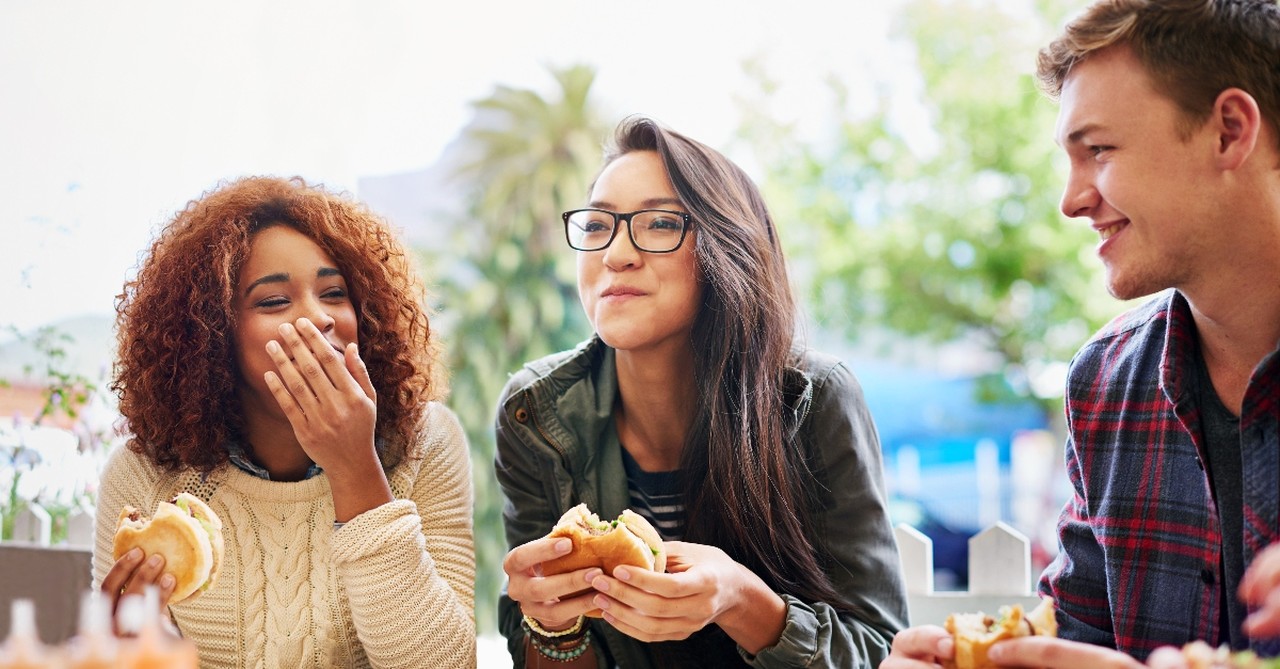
(300,372)
(131,575)
(311,374)
(355,365)
(120,573)
(329,370)
(522,559)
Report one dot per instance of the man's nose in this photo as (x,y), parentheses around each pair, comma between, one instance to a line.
(1080,196)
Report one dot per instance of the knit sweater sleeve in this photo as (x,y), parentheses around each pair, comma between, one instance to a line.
(408,566)
(126,480)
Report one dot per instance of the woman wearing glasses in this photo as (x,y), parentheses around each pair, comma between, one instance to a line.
(693,405)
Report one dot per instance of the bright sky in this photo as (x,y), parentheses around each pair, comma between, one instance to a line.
(114,115)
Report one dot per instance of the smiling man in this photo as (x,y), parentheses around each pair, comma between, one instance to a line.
(1169,116)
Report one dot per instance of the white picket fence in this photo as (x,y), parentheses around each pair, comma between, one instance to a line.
(33,525)
(999,574)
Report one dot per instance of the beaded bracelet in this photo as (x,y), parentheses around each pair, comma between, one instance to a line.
(563,654)
(537,630)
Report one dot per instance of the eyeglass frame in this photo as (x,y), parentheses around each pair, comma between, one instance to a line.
(618,219)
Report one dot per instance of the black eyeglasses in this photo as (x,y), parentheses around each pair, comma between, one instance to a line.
(651,230)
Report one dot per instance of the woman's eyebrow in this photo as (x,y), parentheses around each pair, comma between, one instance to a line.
(278,277)
(653,202)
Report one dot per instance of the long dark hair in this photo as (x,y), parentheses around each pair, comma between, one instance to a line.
(744,476)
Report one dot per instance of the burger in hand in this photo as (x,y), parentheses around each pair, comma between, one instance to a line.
(975,633)
(628,540)
(186,532)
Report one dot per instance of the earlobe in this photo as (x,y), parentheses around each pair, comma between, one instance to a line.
(1238,122)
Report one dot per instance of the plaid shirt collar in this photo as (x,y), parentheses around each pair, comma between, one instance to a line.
(240,458)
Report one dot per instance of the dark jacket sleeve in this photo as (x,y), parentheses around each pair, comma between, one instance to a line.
(853,527)
(528,486)
(525,511)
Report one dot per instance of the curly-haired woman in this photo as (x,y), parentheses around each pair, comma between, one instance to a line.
(275,361)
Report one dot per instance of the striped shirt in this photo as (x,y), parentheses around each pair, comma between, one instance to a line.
(657,496)
(1140,538)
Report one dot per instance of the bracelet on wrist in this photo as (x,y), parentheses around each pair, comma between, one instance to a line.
(564,651)
(535,629)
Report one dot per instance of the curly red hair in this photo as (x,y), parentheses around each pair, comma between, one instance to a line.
(175,371)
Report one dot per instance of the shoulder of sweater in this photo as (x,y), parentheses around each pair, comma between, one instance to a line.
(123,462)
(441,434)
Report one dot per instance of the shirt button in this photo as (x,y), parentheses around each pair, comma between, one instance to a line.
(522,415)
(1207,576)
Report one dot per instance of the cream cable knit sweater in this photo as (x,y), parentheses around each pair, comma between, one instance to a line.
(394,587)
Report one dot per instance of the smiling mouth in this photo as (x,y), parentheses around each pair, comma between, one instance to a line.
(1109,231)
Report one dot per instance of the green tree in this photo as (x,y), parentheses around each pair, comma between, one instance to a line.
(512,297)
(949,232)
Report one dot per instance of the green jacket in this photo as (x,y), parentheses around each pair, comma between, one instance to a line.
(557,447)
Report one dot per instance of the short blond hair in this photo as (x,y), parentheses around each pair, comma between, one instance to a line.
(1192,49)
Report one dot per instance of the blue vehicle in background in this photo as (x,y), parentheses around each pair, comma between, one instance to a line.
(947,457)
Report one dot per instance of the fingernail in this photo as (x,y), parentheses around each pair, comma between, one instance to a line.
(600,584)
(592,574)
(273,346)
(286,328)
(564,546)
(303,322)
(134,555)
(602,602)
(166,581)
(154,560)
(622,574)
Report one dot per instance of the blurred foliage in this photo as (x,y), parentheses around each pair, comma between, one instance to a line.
(64,391)
(512,296)
(64,394)
(950,232)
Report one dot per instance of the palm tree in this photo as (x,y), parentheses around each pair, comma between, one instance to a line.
(511,297)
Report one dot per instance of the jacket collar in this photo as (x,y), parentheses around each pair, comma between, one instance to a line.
(574,395)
